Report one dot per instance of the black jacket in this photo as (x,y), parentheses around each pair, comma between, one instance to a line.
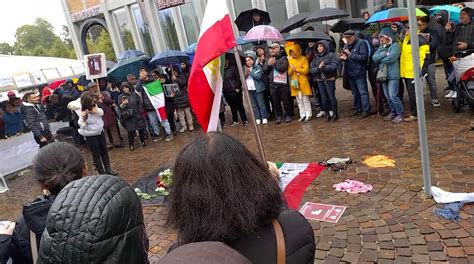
(181,99)
(231,81)
(96,219)
(356,64)
(146,101)
(331,63)
(34,219)
(131,114)
(299,241)
(433,42)
(281,65)
(4,248)
(36,119)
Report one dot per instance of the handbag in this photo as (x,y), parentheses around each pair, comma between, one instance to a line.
(382,74)
(280,240)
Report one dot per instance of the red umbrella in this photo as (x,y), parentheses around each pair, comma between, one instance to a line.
(56,84)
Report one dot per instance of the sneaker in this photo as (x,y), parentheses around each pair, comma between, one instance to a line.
(435,103)
(389,117)
(191,128)
(307,119)
(356,113)
(397,119)
(182,130)
(450,94)
(168,138)
(288,119)
(320,114)
(264,121)
(302,118)
(455,95)
(258,121)
(234,124)
(278,120)
(364,115)
(245,123)
(155,139)
(411,118)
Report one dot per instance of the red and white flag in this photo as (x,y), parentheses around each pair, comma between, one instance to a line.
(205,80)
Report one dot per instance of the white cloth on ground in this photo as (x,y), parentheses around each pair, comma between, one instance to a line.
(442,196)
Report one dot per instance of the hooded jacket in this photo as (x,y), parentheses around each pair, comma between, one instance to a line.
(280,65)
(300,74)
(181,99)
(406,60)
(389,55)
(131,114)
(331,63)
(36,119)
(33,218)
(146,100)
(96,219)
(231,81)
(94,125)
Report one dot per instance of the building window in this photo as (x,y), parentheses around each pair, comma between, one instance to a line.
(358,7)
(125,31)
(241,6)
(143,29)
(168,28)
(308,6)
(190,21)
(277,10)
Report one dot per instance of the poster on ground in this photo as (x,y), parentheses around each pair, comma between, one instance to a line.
(95,66)
(322,212)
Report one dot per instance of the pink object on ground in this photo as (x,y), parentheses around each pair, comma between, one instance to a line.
(352,186)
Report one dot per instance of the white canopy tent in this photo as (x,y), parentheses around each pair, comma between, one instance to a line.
(27,71)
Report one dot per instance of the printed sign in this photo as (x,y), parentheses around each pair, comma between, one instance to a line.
(87,13)
(279,77)
(322,212)
(170,89)
(95,66)
(164,4)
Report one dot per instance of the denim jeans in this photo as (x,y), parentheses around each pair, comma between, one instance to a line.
(390,89)
(327,90)
(155,121)
(431,79)
(361,94)
(258,104)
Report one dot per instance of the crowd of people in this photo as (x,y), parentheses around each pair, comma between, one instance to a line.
(232,197)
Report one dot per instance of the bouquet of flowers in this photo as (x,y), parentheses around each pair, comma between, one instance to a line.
(163,181)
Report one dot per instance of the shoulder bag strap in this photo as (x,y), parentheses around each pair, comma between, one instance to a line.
(34,248)
(280,240)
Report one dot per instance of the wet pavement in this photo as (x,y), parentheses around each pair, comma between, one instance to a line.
(392,223)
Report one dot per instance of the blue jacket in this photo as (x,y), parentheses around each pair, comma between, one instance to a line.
(356,64)
(13,123)
(392,60)
(257,75)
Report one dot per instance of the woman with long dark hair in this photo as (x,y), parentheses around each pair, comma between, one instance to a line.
(222,192)
(91,126)
(55,165)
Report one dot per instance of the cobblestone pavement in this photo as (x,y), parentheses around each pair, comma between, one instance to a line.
(392,223)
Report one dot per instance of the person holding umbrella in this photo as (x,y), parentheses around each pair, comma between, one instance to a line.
(324,69)
(251,18)
(298,71)
(388,57)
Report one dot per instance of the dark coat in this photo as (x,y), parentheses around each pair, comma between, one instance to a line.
(132,113)
(146,101)
(96,219)
(299,241)
(4,247)
(13,123)
(181,99)
(356,64)
(281,65)
(109,116)
(231,81)
(434,42)
(34,219)
(331,63)
(36,119)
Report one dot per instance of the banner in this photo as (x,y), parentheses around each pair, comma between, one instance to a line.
(164,4)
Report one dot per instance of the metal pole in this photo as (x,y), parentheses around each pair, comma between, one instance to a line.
(420,104)
(247,98)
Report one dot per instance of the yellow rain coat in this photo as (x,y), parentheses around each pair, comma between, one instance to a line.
(406,61)
(302,71)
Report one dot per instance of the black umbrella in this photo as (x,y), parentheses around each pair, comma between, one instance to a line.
(348,23)
(326,14)
(438,2)
(308,36)
(245,21)
(293,22)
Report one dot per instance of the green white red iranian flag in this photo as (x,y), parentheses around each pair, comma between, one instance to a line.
(154,90)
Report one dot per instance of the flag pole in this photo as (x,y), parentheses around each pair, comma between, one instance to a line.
(247,99)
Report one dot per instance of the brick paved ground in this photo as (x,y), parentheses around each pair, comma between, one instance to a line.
(393,223)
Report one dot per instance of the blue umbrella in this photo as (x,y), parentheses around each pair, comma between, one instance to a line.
(241,41)
(119,72)
(453,11)
(191,49)
(130,54)
(169,57)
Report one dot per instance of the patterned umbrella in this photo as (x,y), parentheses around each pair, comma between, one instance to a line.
(262,33)
(393,15)
(453,11)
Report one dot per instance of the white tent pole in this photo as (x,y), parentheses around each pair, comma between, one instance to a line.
(420,104)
